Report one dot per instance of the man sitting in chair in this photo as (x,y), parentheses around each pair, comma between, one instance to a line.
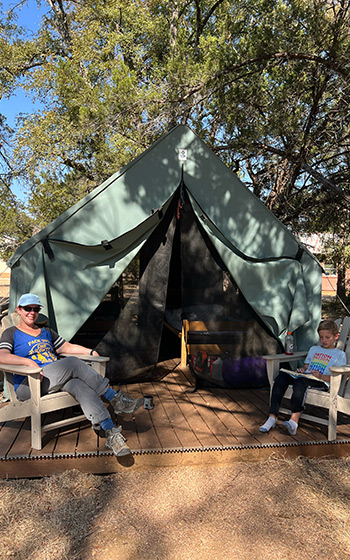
(28,343)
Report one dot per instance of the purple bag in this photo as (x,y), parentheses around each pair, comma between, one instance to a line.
(245,372)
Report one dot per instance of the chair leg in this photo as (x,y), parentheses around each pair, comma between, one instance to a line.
(36,430)
(333,408)
(332,421)
(34,385)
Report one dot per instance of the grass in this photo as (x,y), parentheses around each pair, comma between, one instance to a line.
(274,510)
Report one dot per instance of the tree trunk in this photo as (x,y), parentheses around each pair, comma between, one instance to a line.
(341,270)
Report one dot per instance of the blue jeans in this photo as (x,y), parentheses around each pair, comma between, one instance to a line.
(300,386)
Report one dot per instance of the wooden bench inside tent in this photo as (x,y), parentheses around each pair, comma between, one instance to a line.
(38,405)
(213,337)
(336,400)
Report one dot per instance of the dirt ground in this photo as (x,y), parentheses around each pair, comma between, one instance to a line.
(275,510)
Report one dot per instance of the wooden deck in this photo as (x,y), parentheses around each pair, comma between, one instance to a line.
(212,425)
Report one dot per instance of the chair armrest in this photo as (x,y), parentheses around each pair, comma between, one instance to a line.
(340,370)
(97,362)
(29,370)
(86,357)
(32,372)
(273,363)
(20,370)
(285,357)
(338,380)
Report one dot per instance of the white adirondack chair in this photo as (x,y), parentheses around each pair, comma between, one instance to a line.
(38,405)
(334,401)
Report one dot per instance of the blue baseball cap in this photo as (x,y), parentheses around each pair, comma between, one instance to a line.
(29,299)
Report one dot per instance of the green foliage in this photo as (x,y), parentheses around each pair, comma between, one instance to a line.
(264,82)
(15,225)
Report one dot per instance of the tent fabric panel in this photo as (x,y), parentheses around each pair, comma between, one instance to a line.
(245,223)
(307,335)
(241,216)
(276,289)
(68,308)
(133,341)
(129,196)
(86,270)
(123,201)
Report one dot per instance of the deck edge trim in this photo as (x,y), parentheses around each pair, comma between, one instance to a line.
(178,450)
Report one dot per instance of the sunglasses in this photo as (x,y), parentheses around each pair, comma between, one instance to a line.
(29,308)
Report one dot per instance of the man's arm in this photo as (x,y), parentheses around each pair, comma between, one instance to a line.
(68,348)
(12,359)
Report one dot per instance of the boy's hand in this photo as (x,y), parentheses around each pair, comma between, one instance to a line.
(316,374)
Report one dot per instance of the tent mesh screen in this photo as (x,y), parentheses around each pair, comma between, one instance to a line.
(181,277)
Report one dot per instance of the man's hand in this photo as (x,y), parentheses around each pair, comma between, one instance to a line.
(29,363)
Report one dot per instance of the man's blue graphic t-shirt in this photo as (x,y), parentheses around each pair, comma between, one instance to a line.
(41,348)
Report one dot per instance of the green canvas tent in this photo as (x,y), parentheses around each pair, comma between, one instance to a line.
(207,247)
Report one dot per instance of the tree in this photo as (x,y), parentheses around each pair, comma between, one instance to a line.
(266,84)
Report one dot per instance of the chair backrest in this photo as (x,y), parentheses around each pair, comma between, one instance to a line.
(7,321)
(344,344)
(344,329)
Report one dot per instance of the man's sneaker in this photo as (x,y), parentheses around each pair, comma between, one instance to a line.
(123,403)
(116,442)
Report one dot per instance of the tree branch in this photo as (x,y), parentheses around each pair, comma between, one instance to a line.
(295,158)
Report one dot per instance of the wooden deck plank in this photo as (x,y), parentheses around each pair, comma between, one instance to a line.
(9,433)
(199,420)
(242,426)
(189,423)
(179,415)
(21,445)
(222,423)
(160,417)
(87,439)
(145,435)
(215,433)
(67,437)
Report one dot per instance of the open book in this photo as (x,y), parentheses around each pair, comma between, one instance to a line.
(296,374)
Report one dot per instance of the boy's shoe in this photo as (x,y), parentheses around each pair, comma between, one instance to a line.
(116,442)
(123,403)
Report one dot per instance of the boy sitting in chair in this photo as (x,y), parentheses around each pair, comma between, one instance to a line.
(28,343)
(317,363)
